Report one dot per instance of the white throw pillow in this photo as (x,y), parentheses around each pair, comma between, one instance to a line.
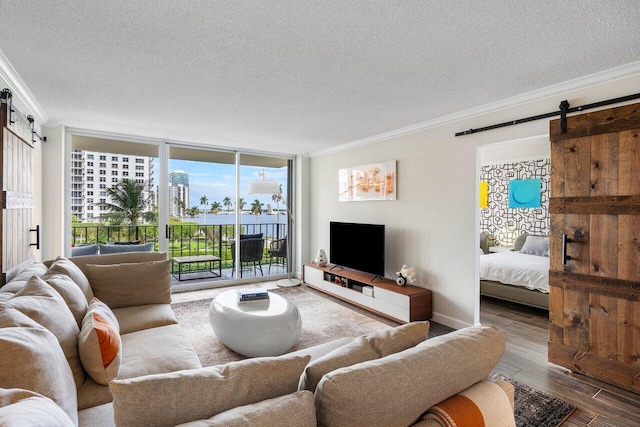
(100,344)
(536,245)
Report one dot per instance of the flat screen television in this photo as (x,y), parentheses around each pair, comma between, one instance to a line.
(357,246)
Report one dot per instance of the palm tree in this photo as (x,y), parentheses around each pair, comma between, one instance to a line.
(204,202)
(277,198)
(227,202)
(128,198)
(216,208)
(193,211)
(256,208)
(241,203)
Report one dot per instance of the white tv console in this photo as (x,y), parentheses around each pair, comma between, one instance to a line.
(400,303)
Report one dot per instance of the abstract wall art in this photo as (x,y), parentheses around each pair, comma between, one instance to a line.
(524,193)
(374,181)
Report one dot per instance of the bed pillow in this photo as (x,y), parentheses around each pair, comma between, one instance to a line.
(517,244)
(536,245)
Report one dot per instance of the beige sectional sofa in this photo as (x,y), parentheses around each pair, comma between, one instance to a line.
(93,341)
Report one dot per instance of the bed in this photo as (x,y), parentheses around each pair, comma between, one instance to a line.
(517,276)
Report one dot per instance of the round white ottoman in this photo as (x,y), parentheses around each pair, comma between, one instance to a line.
(256,328)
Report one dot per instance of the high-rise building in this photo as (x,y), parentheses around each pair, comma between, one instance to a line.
(93,172)
(178,193)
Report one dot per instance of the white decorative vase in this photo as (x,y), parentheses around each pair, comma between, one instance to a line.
(321,258)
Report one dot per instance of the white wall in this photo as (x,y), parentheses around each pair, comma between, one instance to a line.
(534,148)
(433,225)
(54,193)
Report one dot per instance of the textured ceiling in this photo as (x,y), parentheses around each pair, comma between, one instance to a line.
(294,76)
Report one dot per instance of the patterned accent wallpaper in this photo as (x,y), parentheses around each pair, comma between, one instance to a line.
(498,214)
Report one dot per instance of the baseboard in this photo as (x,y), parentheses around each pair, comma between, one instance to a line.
(449,321)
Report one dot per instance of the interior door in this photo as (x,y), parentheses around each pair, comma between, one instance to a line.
(18,200)
(595,246)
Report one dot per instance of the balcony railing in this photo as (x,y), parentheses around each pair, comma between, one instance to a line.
(184,239)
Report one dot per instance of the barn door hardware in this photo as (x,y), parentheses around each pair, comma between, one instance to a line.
(565,257)
(562,112)
(7,97)
(37,231)
(33,130)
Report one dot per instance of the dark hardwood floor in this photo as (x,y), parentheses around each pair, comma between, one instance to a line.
(525,360)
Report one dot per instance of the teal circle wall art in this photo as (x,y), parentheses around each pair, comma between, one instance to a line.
(525,193)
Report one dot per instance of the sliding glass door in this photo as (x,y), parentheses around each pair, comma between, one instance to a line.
(211,208)
(192,202)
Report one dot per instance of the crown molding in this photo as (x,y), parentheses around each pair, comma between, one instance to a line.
(579,83)
(20,90)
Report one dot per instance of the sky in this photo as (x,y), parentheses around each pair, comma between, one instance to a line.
(217,181)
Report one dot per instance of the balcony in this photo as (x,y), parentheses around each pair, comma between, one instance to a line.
(189,240)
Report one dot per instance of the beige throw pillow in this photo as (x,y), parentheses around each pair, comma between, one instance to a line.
(402,386)
(70,292)
(292,410)
(368,347)
(100,344)
(198,394)
(33,360)
(64,266)
(42,303)
(25,408)
(126,285)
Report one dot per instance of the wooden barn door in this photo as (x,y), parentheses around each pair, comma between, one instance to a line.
(18,200)
(594,280)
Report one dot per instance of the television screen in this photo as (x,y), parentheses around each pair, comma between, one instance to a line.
(357,246)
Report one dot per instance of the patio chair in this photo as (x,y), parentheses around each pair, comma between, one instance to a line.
(251,251)
(278,253)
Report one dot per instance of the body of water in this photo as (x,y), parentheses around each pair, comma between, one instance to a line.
(224,219)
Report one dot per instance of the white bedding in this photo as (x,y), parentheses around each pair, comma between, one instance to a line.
(514,268)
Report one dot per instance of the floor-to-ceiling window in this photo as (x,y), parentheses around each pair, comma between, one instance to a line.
(196,204)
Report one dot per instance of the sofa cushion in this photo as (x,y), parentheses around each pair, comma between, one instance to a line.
(184,396)
(132,319)
(34,269)
(402,386)
(484,403)
(100,344)
(114,249)
(64,266)
(33,360)
(42,303)
(101,415)
(83,250)
(131,284)
(368,347)
(291,410)
(156,351)
(71,294)
(19,408)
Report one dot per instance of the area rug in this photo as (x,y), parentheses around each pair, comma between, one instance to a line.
(322,321)
(534,408)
